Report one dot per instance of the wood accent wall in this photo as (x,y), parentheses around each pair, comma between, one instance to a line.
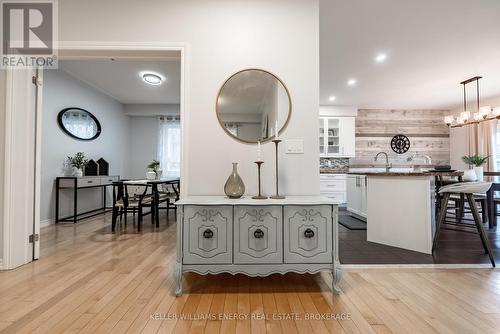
(425,128)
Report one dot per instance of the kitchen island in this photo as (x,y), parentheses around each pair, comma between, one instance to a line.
(400,208)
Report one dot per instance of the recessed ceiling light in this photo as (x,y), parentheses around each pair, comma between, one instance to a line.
(351,82)
(332,98)
(381,57)
(151,78)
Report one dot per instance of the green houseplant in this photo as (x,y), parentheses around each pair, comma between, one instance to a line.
(154,166)
(477,161)
(78,162)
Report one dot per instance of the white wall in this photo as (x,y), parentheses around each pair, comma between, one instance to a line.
(2,152)
(61,91)
(223,37)
(458,136)
(143,144)
(151,109)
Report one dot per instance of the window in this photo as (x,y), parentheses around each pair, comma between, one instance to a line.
(169,145)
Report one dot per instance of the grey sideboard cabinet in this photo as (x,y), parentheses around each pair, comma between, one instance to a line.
(216,234)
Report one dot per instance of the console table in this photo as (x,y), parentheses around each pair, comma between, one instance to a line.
(216,234)
(85,182)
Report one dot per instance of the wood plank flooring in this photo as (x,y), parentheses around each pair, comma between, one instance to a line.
(91,281)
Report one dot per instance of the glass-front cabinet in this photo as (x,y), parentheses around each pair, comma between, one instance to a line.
(321,136)
(337,136)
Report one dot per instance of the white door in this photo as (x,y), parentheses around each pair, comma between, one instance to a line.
(22,156)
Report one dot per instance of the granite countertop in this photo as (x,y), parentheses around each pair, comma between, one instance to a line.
(430,173)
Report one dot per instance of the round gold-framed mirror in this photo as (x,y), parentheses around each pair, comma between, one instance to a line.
(251,104)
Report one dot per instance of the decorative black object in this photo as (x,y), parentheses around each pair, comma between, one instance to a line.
(103,166)
(400,144)
(69,115)
(91,168)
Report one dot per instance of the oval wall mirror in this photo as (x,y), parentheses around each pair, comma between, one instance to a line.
(79,123)
(250,103)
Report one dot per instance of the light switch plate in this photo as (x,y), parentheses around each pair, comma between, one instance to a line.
(294,146)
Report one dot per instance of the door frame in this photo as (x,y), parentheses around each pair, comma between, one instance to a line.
(87,50)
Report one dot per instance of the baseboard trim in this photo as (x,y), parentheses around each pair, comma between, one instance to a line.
(46,222)
(416,266)
(1,264)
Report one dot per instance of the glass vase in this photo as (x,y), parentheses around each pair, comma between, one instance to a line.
(234,187)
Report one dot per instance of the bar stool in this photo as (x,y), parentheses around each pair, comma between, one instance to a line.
(468,189)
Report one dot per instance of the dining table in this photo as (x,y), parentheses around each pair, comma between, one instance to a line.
(154,191)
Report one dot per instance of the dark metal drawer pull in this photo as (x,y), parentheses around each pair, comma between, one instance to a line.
(208,234)
(258,233)
(308,233)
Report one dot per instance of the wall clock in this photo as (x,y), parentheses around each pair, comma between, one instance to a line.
(400,144)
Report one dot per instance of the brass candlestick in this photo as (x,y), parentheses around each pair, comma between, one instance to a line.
(277,196)
(259,196)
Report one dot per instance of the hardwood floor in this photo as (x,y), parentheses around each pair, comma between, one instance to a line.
(91,281)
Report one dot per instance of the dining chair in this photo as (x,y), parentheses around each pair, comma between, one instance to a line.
(168,193)
(171,193)
(468,189)
(130,198)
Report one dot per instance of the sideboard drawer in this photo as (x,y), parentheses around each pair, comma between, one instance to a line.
(109,179)
(208,234)
(88,181)
(258,234)
(308,234)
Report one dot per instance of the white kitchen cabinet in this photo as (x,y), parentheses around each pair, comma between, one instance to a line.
(337,136)
(356,195)
(333,186)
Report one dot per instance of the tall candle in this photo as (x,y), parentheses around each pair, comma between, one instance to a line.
(276,132)
(259,152)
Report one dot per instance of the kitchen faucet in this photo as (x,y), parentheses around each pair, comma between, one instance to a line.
(388,166)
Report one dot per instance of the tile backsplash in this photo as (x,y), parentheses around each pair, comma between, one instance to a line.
(336,163)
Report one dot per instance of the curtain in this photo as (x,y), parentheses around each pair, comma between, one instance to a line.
(169,145)
(482,141)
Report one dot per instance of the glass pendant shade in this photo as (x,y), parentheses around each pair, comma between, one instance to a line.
(485,111)
(465,116)
(448,119)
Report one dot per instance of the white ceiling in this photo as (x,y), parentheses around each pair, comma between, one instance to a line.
(120,79)
(431,46)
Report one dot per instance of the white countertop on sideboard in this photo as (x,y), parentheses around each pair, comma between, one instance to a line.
(248,200)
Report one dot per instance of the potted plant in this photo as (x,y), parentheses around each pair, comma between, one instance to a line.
(154,167)
(477,161)
(78,162)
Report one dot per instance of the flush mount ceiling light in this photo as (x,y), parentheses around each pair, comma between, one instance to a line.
(351,82)
(381,57)
(152,78)
(332,98)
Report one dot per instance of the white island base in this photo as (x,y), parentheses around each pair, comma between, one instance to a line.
(216,235)
(400,211)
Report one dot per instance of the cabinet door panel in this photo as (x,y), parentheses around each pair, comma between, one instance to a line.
(258,234)
(353,194)
(207,234)
(347,136)
(308,234)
